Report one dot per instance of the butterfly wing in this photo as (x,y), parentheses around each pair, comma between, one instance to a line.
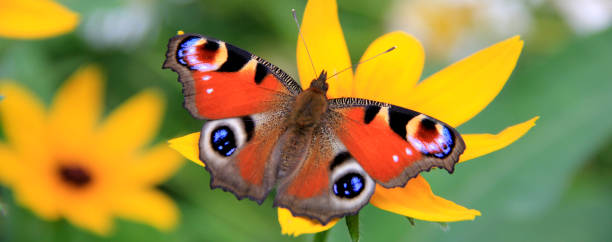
(247,98)
(394,144)
(222,81)
(328,184)
(237,151)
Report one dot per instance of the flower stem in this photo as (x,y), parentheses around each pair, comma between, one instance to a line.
(320,236)
(411,221)
(352,222)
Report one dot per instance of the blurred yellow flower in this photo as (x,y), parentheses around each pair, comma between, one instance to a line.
(454,95)
(33,19)
(63,163)
(454,28)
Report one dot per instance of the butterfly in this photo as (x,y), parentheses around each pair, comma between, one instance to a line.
(324,156)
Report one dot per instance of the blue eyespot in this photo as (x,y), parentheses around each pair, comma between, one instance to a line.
(349,186)
(440,147)
(185,49)
(444,143)
(223,141)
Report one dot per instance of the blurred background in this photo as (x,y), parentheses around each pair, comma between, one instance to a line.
(554,184)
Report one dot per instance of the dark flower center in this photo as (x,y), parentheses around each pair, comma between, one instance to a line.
(74,175)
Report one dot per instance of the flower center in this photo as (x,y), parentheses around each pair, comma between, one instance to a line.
(74,175)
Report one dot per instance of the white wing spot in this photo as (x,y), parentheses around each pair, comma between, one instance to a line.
(408,151)
(206,77)
(395,158)
(209,90)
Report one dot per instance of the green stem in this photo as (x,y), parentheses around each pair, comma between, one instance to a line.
(352,222)
(411,221)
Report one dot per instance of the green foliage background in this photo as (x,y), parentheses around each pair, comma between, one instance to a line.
(554,184)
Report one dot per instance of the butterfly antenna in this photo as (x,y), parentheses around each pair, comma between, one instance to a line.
(363,61)
(303,41)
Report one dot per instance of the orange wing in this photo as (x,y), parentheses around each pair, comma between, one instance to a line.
(237,152)
(394,144)
(328,184)
(221,80)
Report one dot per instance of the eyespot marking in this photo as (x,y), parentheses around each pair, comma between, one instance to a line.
(223,141)
(349,185)
(185,48)
(249,126)
(211,45)
(339,159)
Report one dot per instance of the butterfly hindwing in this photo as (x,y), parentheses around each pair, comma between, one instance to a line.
(237,151)
(222,81)
(328,184)
(394,144)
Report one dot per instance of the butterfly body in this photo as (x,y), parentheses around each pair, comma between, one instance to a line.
(323,156)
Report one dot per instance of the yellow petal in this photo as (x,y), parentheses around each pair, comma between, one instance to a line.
(460,91)
(481,144)
(391,76)
(150,207)
(26,19)
(90,215)
(77,106)
(416,200)
(133,124)
(9,165)
(299,225)
(323,35)
(23,118)
(29,187)
(155,166)
(188,146)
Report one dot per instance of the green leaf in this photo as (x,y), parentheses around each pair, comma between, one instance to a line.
(2,209)
(352,223)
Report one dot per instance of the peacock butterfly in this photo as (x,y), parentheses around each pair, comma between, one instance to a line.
(324,156)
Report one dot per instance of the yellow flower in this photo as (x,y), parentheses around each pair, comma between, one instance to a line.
(33,19)
(63,163)
(453,95)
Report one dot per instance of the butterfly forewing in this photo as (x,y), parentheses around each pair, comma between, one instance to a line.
(247,99)
(222,81)
(394,144)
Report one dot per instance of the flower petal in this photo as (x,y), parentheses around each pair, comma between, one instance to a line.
(299,225)
(9,165)
(416,200)
(460,91)
(90,215)
(22,118)
(323,36)
(188,146)
(481,144)
(30,186)
(27,19)
(77,106)
(151,207)
(383,78)
(133,124)
(155,166)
